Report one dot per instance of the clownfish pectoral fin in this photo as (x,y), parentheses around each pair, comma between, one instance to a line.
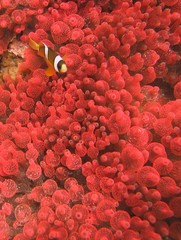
(33,44)
(50,71)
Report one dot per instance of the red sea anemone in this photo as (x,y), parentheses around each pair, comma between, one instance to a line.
(93,153)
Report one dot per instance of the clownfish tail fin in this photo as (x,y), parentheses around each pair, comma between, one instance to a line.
(33,44)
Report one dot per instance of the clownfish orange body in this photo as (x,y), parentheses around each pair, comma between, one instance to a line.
(54,61)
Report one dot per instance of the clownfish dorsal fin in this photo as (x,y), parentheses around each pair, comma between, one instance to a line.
(33,44)
(64,57)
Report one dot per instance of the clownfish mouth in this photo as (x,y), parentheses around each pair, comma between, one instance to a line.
(63,68)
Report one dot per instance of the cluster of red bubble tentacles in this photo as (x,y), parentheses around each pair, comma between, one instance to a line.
(94,153)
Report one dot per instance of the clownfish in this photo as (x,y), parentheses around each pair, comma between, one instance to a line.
(54,61)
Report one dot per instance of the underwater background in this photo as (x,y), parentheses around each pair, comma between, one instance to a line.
(93,153)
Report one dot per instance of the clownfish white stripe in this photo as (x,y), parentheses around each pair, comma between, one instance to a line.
(46,51)
(56,61)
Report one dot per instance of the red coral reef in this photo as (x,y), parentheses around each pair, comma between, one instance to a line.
(93,153)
